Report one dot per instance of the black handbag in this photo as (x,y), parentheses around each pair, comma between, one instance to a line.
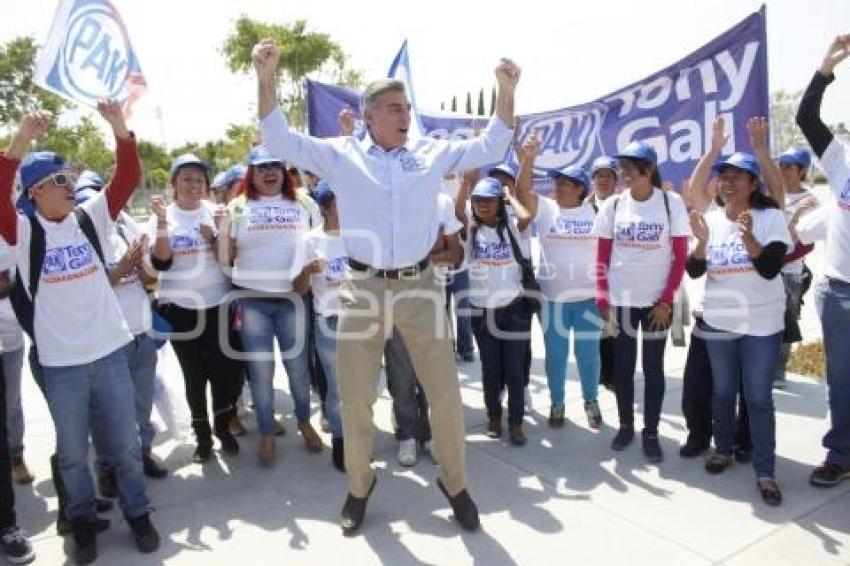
(532,296)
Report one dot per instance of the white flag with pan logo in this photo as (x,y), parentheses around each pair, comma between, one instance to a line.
(88,55)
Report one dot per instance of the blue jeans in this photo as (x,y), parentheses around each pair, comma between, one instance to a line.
(458,285)
(100,394)
(325,333)
(833,303)
(752,360)
(141,360)
(410,406)
(263,320)
(582,317)
(12,365)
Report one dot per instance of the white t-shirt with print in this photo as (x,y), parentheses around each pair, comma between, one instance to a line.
(130,291)
(448,222)
(77,317)
(195,280)
(792,203)
(737,299)
(836,163)
(566,267)
(331,250)
(11,335)
(269,241)
(642,253)
(495,278)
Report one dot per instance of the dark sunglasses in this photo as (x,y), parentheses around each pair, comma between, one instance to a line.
(263,167)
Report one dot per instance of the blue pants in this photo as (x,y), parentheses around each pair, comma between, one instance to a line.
(13,362)
(325,335)
(833,303)
(78,397)
(625,360)
(410,406)
(752,360)
(582,317)
(457,285)
(263,320)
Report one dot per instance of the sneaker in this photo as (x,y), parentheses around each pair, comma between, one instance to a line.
(556,416)
(236,427)
(651,447)
(312,440)
(407,452)
(64,526)
(16,547)
(106,484)
(622,439)
(428,449)
(338,454)
(594,415)
(147,539)
(266,449)
(20,472)
(829,474)
(716,463)
(325,425)
(203,453)
(516,435)
(229,445)
(152,468)
(494,428)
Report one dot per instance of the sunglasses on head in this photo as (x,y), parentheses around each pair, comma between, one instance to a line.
(60,180)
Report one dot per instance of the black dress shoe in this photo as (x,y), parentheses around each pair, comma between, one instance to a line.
(203,453)
(152,468)
(465,511)
(354,510)
(692,449)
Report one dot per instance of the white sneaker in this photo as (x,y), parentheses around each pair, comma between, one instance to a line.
(407,454)
(428,448)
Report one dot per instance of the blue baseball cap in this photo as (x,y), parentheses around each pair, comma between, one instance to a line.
(574,173)
(639,149)
(186,160)
(84,194)
(88,180)
(505,169)
(39,165)
(234,173)
(795,156)
(739,160)
(218,181)
(603,162)
(323,192)
(488,187)
(260,154)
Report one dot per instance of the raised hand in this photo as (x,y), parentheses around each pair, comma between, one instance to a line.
(266,55)
(699,227)
(745,225)
(507,75)
(529,149)
(157,204)
(347,121)
(719,137)
(838,51)
(221,217)
(757,130)
(112,111)
(33,125)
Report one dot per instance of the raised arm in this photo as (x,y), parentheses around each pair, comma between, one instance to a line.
(757,130)
(808,115)
(32,126)
(525,178)
(698,183)
(128,168)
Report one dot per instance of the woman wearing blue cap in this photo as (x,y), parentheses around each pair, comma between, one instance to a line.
(642,252)
(192,295)
(567,278)
(265,234)
(833,292)
(501,321)
(740,247)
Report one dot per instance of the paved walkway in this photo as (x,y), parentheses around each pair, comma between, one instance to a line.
(563,498)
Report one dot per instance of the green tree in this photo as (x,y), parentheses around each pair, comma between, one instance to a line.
(81,145)
(18,94)
(783,127)
(302,52)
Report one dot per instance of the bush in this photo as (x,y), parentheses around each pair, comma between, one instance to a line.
(808,359)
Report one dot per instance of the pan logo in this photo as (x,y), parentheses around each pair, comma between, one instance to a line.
(566,139)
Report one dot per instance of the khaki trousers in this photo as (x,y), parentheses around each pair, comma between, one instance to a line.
(372,306)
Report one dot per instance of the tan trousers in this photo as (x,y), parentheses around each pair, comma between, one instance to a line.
(415,306)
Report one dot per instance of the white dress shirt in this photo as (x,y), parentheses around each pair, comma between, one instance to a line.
(387,200)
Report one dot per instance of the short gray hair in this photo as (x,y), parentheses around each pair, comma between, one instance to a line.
(376,89)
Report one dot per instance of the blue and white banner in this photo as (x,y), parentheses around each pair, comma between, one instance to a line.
(672,109)
(88,55)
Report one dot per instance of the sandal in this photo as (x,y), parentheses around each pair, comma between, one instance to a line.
(769,491)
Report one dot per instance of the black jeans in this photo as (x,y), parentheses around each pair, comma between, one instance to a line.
(696,396)
(203,360)
(653,344)
(504,359)
(7,494)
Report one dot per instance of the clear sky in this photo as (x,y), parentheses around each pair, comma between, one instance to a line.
(570,51)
